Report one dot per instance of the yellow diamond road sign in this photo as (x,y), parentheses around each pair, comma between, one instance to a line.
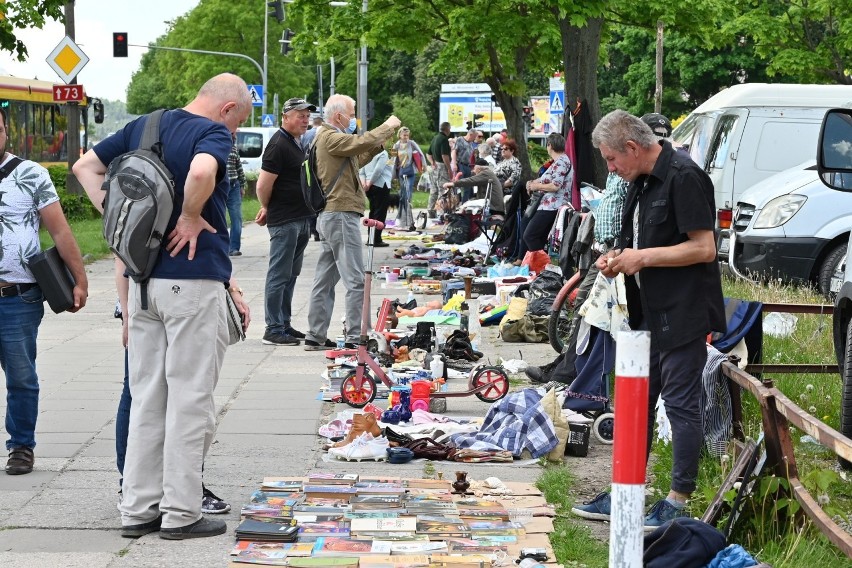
(67,59)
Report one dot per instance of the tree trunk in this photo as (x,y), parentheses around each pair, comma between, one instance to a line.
(513,111)
(580,47)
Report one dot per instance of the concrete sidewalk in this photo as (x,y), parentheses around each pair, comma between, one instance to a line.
(64,513)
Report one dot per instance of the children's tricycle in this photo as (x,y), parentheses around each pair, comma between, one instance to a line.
(487,383)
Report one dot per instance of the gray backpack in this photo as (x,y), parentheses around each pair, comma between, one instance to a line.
(140,195)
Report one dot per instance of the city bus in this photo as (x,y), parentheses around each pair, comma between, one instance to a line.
(37,125)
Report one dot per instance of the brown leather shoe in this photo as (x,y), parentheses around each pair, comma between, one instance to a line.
(21,461)
(360,423)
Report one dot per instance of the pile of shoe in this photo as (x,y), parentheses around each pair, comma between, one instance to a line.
(458,346)
(364,441)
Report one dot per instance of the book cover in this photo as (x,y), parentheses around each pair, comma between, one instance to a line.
(253,529)
(429,484)
(360,502)
(322,527)
(480,525)
(329,546)
(270,550)
(422,547)
(331,478)
(343,492)
(276,497)
(388,535)
(378,488)
(287,484)
(378,514)
(317,517)
(462,561)
(319,562)
(398,524)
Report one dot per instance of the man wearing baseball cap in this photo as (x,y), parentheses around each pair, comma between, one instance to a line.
(287,217)
(660,125)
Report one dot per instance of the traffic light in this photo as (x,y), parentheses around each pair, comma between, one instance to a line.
(285,41)
(98,107)
(476,117)
(529,117)
(277,10)
(119,44)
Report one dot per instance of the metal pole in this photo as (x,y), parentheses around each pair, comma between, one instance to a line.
(632,368)
(319,88)
(331,84)
(265,56)
(362,77)
(256,64)
(72,136)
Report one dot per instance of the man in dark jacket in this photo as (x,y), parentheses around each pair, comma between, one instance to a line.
(667,253)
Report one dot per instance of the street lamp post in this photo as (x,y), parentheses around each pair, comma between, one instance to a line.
(265,59)
(362,78)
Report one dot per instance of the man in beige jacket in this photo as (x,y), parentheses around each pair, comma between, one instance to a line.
(340,155)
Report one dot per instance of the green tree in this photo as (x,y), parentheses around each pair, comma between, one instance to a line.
(22,14)
(172,78)
(412,114)
(498,40)
(807,40)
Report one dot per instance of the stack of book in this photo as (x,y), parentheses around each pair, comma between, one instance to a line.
(375,502)
(331,478)
(311,531)
(437,527)
(378,528)
(252,529)
(339,492)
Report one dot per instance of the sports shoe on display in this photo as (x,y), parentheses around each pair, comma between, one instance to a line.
(661,512)
(364,447)
(597,509)
(272,338)
(211,504)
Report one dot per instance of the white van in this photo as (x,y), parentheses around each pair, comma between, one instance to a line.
(749,132)
(792,227)
(251,142)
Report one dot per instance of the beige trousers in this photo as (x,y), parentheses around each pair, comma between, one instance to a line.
(176,348)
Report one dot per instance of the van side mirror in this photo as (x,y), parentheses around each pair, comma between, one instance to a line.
(834,150)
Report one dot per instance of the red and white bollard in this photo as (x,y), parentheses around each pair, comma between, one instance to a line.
(627,510)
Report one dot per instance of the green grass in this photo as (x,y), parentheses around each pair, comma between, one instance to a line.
(420,199)
(89,233)
(573,543)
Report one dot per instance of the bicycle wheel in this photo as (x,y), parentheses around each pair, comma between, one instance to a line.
(559,325)
(358,397)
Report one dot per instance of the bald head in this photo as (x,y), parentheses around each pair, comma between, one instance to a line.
(223,98)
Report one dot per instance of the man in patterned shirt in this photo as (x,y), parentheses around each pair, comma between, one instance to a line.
(236,192)
(27,200)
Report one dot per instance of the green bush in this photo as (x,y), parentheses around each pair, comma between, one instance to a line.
(75,207)
(538,155)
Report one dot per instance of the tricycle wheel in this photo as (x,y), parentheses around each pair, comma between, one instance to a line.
(355,396)
(604,428)
(496,379)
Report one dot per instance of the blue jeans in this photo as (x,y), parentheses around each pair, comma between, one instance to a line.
(235,212)
(287,244)
(122,419)
(20,317)
(404,216)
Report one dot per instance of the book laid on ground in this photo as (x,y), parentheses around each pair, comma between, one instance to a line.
(378,488)
(429,484)
(266,512)
(324,562)
(276,498)
(312,531)
(329,546)
(461,561)
(414,547)
(283,484)
(322,505)
(328,492)
(369,526)
(373,514)
(271,550)
(362,502)
(331,478)
(253,529)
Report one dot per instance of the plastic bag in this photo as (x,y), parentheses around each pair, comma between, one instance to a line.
(536,260)
(507,269)
(778,324)
(543,291)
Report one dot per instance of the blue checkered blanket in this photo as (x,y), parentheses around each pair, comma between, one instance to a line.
(515,423)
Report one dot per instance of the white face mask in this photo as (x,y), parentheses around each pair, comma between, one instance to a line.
(352,126)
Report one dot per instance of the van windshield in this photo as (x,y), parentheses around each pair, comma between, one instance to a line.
(249,144)
(695,133)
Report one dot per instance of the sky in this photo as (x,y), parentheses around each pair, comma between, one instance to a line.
(105,76)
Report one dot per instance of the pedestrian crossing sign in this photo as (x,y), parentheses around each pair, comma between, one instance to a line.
(557,102)
(256,92)
(268,120)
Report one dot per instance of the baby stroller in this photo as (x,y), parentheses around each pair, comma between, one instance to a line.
(588,393)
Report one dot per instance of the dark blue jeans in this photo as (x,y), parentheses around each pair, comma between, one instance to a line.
(20,317)
(235,213)
(676,376)
(534,232)
(287,244)
(122,419)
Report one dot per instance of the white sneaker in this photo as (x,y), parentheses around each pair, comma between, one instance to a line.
(364,447)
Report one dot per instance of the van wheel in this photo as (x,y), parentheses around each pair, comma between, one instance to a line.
(833,267)
(846,393)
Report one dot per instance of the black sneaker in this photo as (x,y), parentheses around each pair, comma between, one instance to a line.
(293,332)
(272,338)
(348,345)
(314,346)
(201,528)
(211,504)
(235,253)
(135,531)
(21,461)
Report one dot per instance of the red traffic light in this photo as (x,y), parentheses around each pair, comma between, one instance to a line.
(119,44)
